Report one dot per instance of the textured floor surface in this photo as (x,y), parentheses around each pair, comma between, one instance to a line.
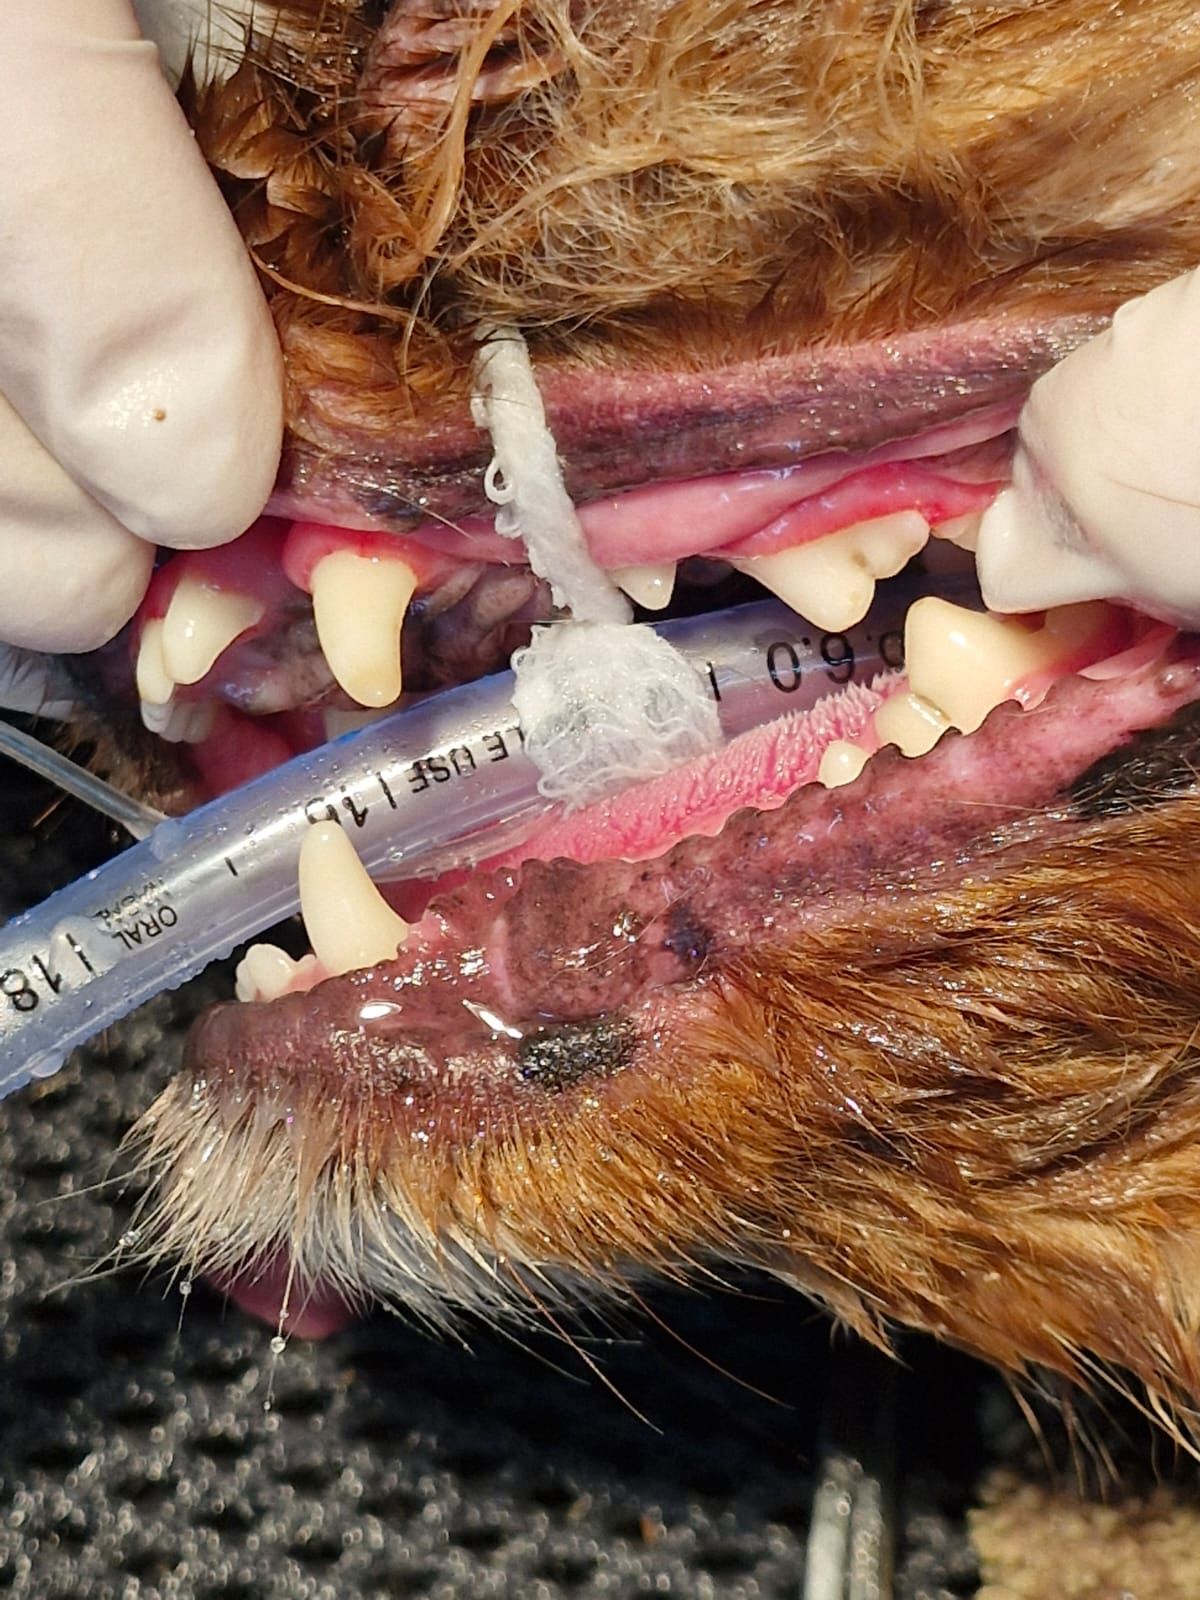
(155,1443)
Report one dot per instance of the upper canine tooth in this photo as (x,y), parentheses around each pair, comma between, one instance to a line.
(201,621)
(349,923)
(359,604)
(831,580)
(966,662)
(650,586)
(155,685)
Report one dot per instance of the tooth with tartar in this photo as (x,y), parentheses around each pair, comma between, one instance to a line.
(359,604)
(349,923)
(831,580)
(841,763)
(964,663)
(155,685)
(201,621)
(649,586)
(910,722)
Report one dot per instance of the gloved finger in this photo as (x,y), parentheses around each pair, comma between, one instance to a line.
(211,37)
(134,338)
(70,575)
(1105,500)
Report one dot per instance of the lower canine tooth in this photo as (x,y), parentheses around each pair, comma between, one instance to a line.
(359,604)
(966,662)
(155,685)
(349,923)
(831,580)
(650,586)
(201,621)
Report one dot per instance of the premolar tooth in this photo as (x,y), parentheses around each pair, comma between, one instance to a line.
(349,923)
(359,604)
(962,531)
(966,662)
(650,586)
(831,580)
(201,621)
(910,722)
(841,763)
(155,685)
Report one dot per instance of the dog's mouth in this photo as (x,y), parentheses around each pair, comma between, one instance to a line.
(896,1000)
(438,1035)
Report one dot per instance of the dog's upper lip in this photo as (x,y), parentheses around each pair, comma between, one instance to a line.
(777,409)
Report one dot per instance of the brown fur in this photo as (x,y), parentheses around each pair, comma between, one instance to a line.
(703,178)
(982,1115)
(978,1115)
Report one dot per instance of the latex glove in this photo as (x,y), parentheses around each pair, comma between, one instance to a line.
(1105,500)
(140,377)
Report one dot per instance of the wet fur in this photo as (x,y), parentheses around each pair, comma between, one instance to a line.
(981,1114)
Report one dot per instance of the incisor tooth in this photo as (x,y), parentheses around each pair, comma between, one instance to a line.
(201,621)
(966,662)
(650,586)
(910,722)
(263,973)
(349,923)
(180,721)
(831,580)
(841,763)
(155,685)
(359,604)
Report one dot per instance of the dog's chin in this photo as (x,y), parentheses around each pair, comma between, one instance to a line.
(896,1000)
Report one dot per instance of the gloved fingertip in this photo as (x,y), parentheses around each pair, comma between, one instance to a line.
(1023,564)
(218,464)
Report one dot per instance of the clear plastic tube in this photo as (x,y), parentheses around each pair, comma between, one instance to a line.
(444,782)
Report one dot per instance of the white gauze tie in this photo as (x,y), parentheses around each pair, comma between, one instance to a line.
(525,481)
(603,705)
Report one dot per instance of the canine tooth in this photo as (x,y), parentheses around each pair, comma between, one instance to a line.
(359,604)
(350,924)
(910,722)
(841,763)
(651,586)
(264,973)
(201,621)
(966,662)
(831,580)
(155,685)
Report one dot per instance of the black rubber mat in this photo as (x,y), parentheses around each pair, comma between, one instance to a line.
(157,1443)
